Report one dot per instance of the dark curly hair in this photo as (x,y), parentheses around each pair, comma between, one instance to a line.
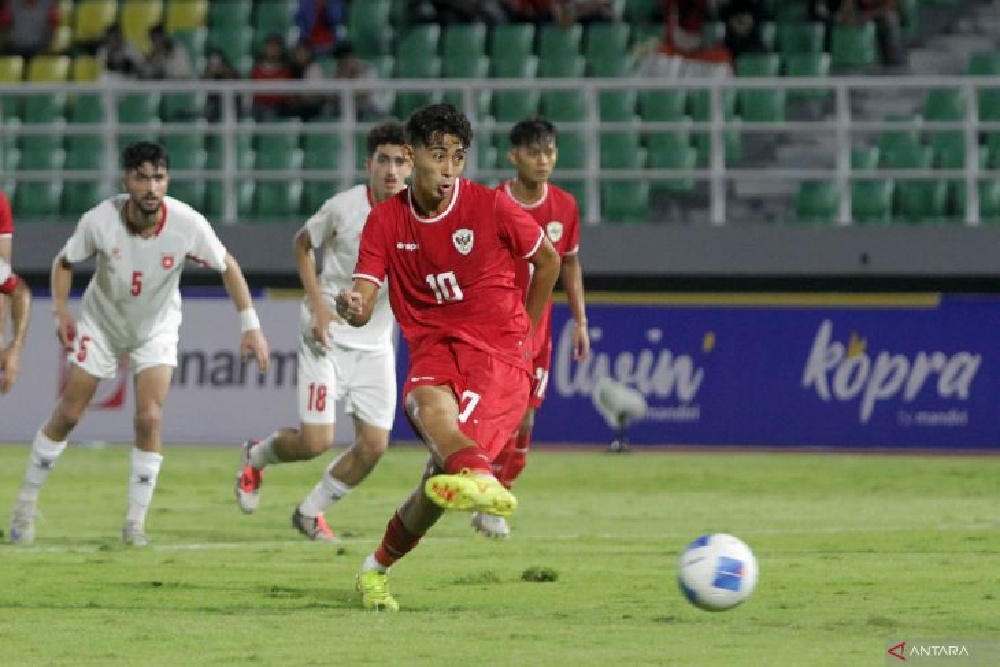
(433,121)
(141,152)
(532,131)
(389,132)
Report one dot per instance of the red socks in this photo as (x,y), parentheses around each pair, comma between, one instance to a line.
(471,458)
(512,459)
(396,543)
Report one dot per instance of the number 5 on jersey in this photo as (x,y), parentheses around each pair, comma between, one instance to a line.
(445,286)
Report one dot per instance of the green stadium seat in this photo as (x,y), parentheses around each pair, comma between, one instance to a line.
(416,68)
(276,201)
(215,199)
(511,106)
(700,102)
(37,200)
(41,151)
(86,108)
(906,137)
(617,106)
(642,11)
(621,150)
(511,41)
(78,197)
(567,67)
(186,151)
(139,108)
(625,201)
(871,201)
(514,68)
(984,63)
(11,71)
(418,42)
(989,201)
(487,156)
(671,150)
(321,151)
(816,201)
(193,40)
(181,106)
(944,104)
(853,46)
(43,109)
(230,12)
(465,68)
(564,106)
(234,40)
(84,152)
(769,35)
(811,65)
(611,67)
(791,12)
(573,148)
(278,150)
(865,158)
(555,41)
(793,38)
(921,201)
(273,16)
(606,41)
(482,100)
(578,189)
(463,41)
(663,104)
(368,27)
(761,105)
(908,156)
(314,195)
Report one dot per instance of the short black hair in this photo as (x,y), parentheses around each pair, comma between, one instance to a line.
(141,152)
(389,132)
(435,120)
(532,131)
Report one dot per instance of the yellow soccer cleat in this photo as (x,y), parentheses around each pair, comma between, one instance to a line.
(374,594)
(471,491)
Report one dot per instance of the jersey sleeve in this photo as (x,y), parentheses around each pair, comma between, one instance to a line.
(6,217)
(373,255)
(573,233)
(206,248)
(517,228)
(322,224)
(82,244)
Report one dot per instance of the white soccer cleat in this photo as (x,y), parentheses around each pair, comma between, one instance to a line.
(248,481)
(22,524)
(491,525)
(134,534)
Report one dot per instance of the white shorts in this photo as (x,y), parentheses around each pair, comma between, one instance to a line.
(365,379)
(97,354)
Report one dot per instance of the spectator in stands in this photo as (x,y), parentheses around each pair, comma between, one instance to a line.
(166,59)
(271,65)
(561,12)
(370,104)
(683,50)
(744,20)
(118,56)
(318,21)
(26,26)
(884,13)
(303,65)
(490,12)
(218,68)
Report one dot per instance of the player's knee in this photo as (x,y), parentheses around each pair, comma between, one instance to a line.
(371,448)
(148,418)
(315,443)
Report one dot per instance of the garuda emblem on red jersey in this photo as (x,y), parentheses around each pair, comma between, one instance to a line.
(462,238)
(554,230)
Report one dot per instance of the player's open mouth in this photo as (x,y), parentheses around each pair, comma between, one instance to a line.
(444,188)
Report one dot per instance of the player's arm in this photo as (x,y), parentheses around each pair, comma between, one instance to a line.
(252,341)
(571,275)
(356,305)
(10,357)
(60,282)
(545,261)
(6,249)
(305,260)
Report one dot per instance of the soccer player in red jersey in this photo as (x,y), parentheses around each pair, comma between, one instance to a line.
(10,357)
(450,249)
(6,244)
(533,152)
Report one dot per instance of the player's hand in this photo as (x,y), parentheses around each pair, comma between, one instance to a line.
(581,341)
(66,330)
(322,317)
(349,305)
(10,363)
(253,343)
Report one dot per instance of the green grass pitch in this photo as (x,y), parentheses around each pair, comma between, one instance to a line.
(854,552)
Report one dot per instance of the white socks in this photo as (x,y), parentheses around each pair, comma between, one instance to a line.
(328,491)
(141,483)
(372,564)
(262,454)
(41,461)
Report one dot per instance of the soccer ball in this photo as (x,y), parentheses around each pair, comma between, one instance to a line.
(717,572)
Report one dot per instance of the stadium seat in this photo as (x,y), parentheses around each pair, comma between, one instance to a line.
(617,106)
(700,102)
(368,27)
(41,151)
(278,149)
(84,152)
(482,100)
(321,151)
(78,197)
(555,41)
(314,195)
(871,201)
(511,41)
(189,191)
(920,201)
(906,137)
(945,104)
(864,158)
(11,69)
(611,67)
(908,156)
(138,108)
(816,201)
(193,40)
(606,41)
(761,105)
(989,201)
(568,67)
(62,39)
(416,68)
(273,16)
(91,20)
(514,68)
(642,11)
(86,108)
(463,41)
(49,69)
(37,200)
(137,17)
(812,65)
(853,46)
(186,16)
(186,150)
(625,201)
(564,106)
(795,38)
(573,148)
(418,42)
(663,104)
(86,69)
(984,63)
(276,201)
(235,41)
(791,12)
(230,12)
(176,107)
(671,150)
(215,199)
(43,109)
(465,68)
(487,156)
(621,150)
(510,106)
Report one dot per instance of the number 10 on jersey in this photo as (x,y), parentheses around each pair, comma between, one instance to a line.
(445,286)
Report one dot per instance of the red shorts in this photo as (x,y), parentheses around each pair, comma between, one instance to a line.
(540,365)
(492,394)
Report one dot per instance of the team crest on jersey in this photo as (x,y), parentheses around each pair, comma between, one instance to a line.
(463,238)
(554,230)
(167,261)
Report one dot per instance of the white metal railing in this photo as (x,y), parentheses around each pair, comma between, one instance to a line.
(842,124)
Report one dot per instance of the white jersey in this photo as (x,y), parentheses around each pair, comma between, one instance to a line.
(5,275)
(133,294)
(336,228)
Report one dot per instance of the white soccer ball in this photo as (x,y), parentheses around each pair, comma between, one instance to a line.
(717,572)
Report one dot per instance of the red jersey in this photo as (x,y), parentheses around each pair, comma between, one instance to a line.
(452,276)
(6,218)
(559,217)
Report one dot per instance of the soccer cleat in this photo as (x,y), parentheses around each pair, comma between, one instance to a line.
(374,594)
(471,491)
(248,480)
(134,534)
(315,528)
(491,525)
(22,523)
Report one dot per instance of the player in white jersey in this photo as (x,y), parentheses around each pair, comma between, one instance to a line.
(132,306)
(20,307)
(335,359)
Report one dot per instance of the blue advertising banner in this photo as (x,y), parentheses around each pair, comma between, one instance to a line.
(843,371)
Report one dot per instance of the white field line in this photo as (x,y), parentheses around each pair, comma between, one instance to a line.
(10,550)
